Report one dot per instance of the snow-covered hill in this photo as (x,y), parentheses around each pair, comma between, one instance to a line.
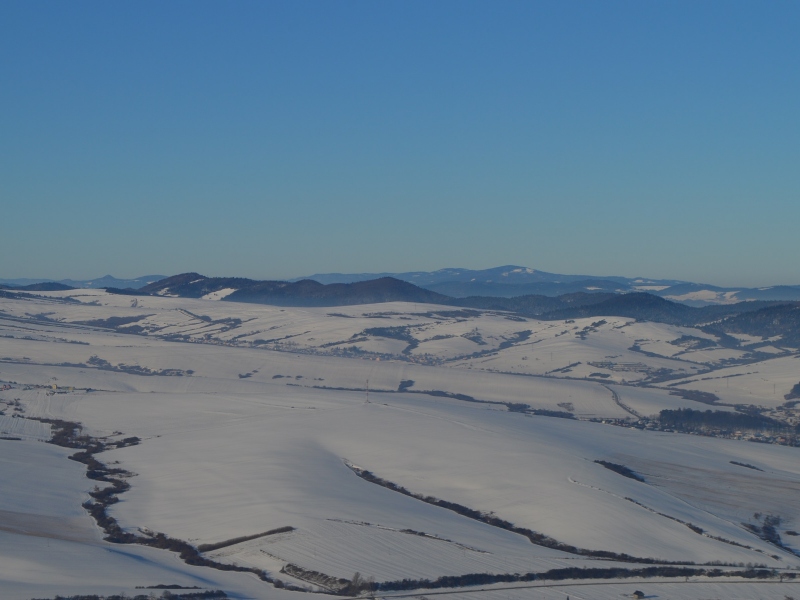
(252,418)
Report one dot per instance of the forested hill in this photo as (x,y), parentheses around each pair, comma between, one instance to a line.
(533,304)
(311,293)
(647,307)
(781,322)
(299,293)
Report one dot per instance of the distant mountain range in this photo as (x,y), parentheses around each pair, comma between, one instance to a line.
(506,275)
(508,281)
(100,282)
(44,286)
(511,280)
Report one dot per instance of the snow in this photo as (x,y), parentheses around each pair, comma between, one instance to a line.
(241,437)
(650,401)
(276,460)
(708,296)
(696,588)
(49,545)
(762,383)
(219,294)
(23,428)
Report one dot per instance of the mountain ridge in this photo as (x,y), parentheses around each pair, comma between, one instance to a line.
(96,283)
(510,281)
(506,274)
(305,292)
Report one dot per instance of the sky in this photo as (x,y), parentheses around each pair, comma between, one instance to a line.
(276,139)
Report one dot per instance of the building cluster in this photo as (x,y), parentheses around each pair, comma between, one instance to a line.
(652,424)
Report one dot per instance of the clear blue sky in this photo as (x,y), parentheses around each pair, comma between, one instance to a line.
(278,139)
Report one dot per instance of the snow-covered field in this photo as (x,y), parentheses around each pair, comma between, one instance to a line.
(253,418)
(763,383)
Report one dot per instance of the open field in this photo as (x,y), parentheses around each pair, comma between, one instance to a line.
(252,418)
